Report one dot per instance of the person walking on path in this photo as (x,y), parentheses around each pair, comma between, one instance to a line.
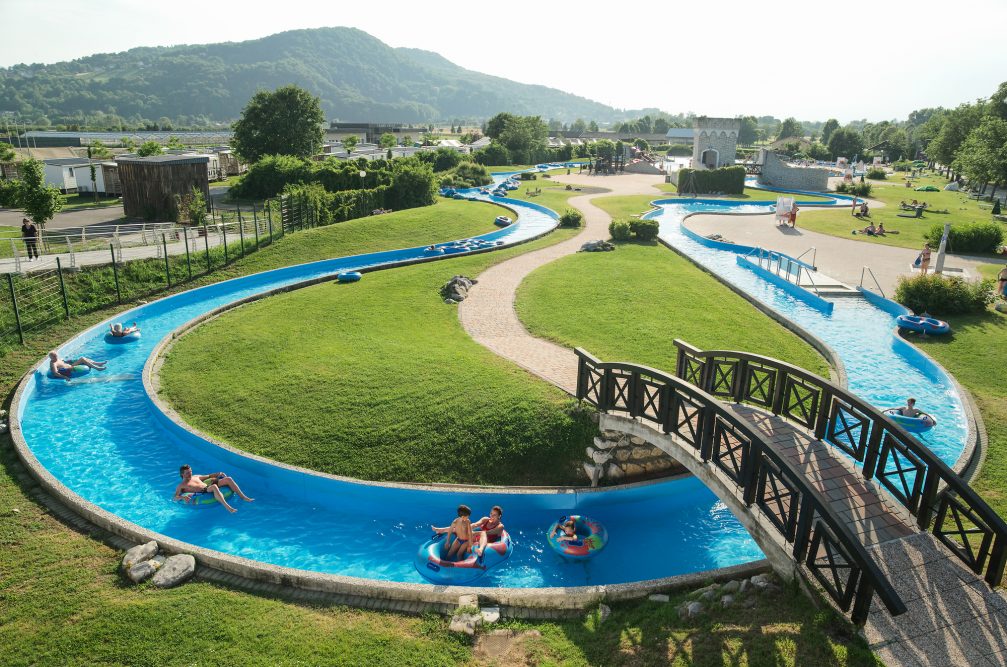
(29,234)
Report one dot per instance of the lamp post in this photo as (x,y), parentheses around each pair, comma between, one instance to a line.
(363,175)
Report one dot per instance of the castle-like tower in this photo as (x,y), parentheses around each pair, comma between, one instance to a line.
(715,142)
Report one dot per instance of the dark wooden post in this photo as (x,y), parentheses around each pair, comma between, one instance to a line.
(206,244)
(223,228)
(255,221)
(17,313)
(167,269)
(188,259)
(62,287)
(115,272)
(241,232)
(269,218)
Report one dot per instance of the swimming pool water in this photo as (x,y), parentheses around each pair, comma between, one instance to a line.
(106,442)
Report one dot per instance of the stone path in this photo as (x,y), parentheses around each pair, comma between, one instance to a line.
(954,618)
(488,313)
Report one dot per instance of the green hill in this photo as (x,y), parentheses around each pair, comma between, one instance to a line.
(357,77)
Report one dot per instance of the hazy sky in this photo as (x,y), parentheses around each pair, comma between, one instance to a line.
(720,58)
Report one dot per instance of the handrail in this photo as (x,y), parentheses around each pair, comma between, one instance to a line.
(918,479)
(876,283)
(710,429)
(814,287)
(814,255)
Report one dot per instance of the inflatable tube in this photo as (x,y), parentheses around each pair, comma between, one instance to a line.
(201,500)
(349,276)
(430,252)
(591,537)
(430,561)
(926,325)
(119,340)
(77,372)
(502,221)
(912,424)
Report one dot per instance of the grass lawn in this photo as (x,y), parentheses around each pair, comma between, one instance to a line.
(553,195)
(962,210)
(78,202)
(416,398)
(976,354)
(630,304)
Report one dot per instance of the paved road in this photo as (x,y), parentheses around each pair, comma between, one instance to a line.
(67,220)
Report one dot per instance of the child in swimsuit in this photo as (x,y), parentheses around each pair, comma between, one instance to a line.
(569,532)
(461,529)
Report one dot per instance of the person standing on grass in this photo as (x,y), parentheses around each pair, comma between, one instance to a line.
(1002,282)
(29,234)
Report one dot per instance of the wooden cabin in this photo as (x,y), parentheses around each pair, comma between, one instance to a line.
(150,185)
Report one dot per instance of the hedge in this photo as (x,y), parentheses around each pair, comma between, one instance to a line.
(726,180)
(570,218)
(645,230)
(978,237)
(620,230)
(936,295)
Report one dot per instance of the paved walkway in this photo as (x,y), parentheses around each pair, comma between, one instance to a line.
(840,258)
(954,618)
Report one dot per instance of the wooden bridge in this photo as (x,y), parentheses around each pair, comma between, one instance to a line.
(857,504)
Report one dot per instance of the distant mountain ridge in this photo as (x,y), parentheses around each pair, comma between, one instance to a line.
(357,77)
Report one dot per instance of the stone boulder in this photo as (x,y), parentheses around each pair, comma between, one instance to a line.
(694,609)
(466,623)
(139,554)
(142,571)
(176,570)
(597,246)
(456,289)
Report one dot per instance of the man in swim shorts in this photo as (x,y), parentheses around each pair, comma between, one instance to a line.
(208,484)
(119,331)
(490,529)
(461,528)
(63,368)
(909,409)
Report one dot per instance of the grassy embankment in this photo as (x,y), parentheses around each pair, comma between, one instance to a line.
(911,231)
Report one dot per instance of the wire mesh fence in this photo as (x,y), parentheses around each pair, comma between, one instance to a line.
(96,267)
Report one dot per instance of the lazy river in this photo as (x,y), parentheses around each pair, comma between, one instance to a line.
(104,439)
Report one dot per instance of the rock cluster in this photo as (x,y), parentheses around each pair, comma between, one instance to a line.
(619,458)
(456,289)
(742,593)
(143,562)
(597,246)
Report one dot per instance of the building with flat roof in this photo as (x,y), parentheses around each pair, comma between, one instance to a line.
(371,132)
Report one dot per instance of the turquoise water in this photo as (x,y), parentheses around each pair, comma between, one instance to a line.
(106,442)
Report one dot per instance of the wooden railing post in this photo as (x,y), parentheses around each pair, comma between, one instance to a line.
(822,418)
(873,450)
(998,559)
(926,509)
(862,603)
(740,381)
(802,534)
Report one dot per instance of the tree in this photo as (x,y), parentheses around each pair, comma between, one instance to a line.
(149,148)
(604,148)
(387,140)
(661,126)
(997,105)
(592,126)
(39,201)
(845,142)
(831,125)
(956,126)
(982,157)
(578,126)
(7,153)
(98,151)
(790,128)
(493,155)
(128,143)
(495,125)
(287,121)
(349,143)
(174,143)
(407,140)
(525,138)
(746,134)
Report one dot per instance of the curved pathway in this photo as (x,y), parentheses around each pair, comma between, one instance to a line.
(488,314)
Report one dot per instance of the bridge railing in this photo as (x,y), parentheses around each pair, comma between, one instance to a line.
(942,502)
(803,518)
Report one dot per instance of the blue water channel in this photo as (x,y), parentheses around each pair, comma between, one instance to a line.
(103,438)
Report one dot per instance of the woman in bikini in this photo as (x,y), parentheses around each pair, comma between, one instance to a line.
(490,529)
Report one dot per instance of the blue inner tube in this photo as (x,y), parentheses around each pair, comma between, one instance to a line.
(77,372)
(349,277)
(202,500)
(912,424)
(927,325)
(118,340)
(431,563)
(590,537)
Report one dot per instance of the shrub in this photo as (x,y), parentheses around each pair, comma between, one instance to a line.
(620,230)
(662,148)
(527,175)
(938,295)
(858,189)
(470,175)
(680,150)
(570,218)
(980,237)
(876,174)
(493,155)
(726,180)
(9,194)
(645,230)
(270,175)
(903,165)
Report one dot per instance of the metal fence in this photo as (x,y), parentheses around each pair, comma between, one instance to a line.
(125,262)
